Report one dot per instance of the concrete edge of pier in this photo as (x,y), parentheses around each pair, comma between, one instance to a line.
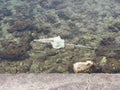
(56,81)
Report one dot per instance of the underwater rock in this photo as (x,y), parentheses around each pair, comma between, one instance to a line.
(63,15)
(21,26)
(82,66)
(36,67)
(11,50)
(114,28)
(44,28)
(108,47)
(106,65)
(50,19)
(5,12)
(17,50)
(108,42)
(50,4)
(103,61)
(13,53)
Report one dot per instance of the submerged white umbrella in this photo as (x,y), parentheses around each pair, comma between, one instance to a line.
(58,43)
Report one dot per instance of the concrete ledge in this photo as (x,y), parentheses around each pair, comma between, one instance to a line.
(60,82)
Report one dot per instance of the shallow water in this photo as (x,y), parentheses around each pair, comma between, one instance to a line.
(89,23)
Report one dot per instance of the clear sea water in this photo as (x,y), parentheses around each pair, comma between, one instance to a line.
(90,30)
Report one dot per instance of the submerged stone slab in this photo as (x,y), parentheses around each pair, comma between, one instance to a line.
(59,81)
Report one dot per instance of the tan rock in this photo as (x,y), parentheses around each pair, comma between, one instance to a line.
(82,66)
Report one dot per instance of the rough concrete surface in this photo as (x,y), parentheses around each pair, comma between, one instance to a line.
(59,81)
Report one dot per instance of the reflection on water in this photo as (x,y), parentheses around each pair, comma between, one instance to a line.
(91,23)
